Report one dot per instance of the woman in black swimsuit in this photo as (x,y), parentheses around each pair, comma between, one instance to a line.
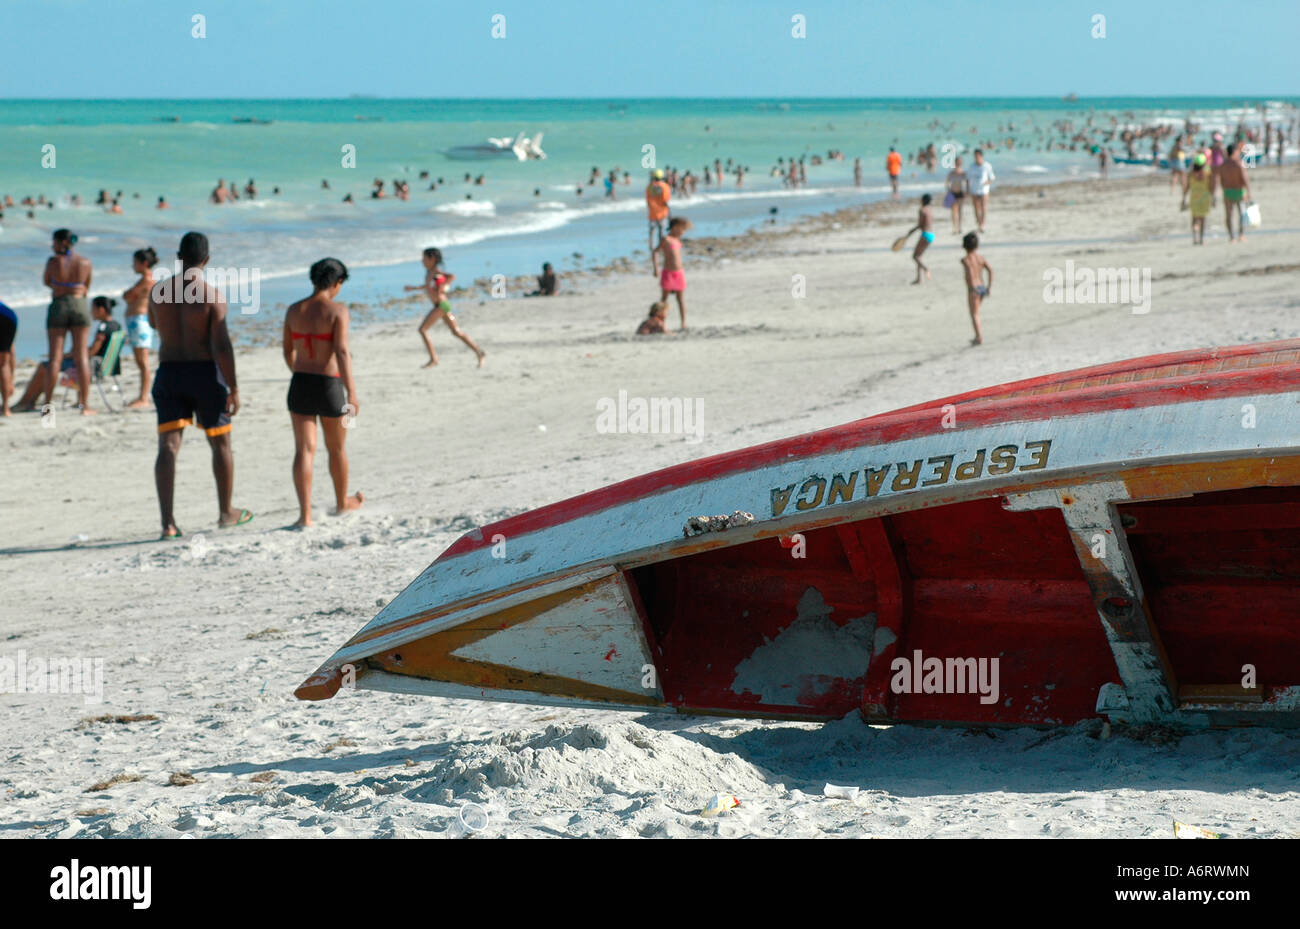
(316,351)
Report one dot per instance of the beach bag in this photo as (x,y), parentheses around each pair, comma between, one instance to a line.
(1250,215)
(949,199)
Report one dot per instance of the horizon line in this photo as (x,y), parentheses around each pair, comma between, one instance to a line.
(1283,97)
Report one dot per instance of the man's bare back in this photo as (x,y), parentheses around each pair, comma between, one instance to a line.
(1232,174)
(190,318)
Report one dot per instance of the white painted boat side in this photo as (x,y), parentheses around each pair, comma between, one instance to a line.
(1096,441)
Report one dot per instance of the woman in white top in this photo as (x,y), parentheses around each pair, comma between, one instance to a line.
(981,180)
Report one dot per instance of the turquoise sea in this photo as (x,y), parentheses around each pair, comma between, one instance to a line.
(523,214)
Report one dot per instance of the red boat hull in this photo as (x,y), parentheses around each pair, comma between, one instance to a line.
(1122,540)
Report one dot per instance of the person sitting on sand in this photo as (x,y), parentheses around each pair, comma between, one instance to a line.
(672,280)
(435,285)
(195,382)
(1236,189)
(1199,186)
(546,282)
(974,266)
(102,310)
(322,386)
(657,322)
(926,225)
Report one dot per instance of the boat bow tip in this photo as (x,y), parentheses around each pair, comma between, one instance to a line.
(320,686)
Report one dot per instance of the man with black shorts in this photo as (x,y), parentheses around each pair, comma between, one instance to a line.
(195,382)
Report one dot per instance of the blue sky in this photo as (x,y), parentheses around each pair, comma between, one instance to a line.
(684,48)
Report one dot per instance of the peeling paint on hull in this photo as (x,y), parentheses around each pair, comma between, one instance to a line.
(1066,526)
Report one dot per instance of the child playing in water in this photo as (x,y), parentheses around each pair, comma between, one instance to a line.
(974,267)
(656,323)
(672,279)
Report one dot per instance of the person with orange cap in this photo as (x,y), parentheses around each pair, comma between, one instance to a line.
(657,195)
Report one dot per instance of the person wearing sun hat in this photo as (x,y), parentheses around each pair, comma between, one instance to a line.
(657,195)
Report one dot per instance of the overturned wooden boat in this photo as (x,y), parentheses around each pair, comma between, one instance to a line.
(1121,540)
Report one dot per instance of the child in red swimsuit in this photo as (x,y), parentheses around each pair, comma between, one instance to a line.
(672,279)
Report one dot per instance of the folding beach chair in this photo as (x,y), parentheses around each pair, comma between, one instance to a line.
(102,368)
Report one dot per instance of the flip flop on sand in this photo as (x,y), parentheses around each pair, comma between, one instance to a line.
(244,516)
(171,535)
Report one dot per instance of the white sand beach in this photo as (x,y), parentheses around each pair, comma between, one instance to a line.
(206,638)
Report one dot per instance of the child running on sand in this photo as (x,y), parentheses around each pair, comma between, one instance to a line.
(435,285)
(926,225)
(672,279)
(974,267)
(657,322)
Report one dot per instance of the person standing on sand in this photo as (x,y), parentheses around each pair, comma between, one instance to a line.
(894,165)
(1177,164)
(322,385)
(196,379)
(673,278)
(8,330)
(657,195)
(1199,185)
(1216,153)
(958,187)
(1236,189)
(981,180)
(68,274)
(926,225)
(974,266)
(435,285)
(138,333)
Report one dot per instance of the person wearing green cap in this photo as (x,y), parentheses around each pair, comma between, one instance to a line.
(1200,187)
(657,195)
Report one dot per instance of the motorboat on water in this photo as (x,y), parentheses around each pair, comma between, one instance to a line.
(520,148)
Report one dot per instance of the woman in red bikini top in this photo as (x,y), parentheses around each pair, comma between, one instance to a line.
(316,351)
